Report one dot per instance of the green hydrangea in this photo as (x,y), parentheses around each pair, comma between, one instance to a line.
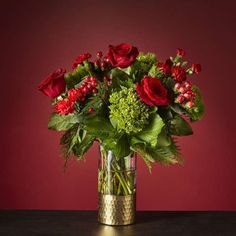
(127,112)
(148,58)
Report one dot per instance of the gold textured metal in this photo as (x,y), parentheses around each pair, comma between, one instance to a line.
(116,210)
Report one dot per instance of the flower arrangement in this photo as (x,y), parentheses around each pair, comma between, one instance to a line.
(128,101)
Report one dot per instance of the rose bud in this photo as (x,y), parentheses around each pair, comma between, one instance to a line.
(99,54)
(180,52)
(196,68)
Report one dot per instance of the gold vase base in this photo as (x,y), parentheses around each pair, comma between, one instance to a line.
(116,210)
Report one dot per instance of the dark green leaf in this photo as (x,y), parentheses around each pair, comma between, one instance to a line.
(150,133)
(179,126)
(61,122)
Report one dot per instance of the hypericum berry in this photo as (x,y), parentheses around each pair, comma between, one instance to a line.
(177,86)
(89,86)
(180,98)
(106,59)
(97,63)
(103,64)
(85,89)
(99,54)
(90,110)
(94,84)
(187,95)
(109,83)
(88,79)
(182,89)
(106,78)
(94,90)
(92,78)
(187,85)
(193,94)
(189,104)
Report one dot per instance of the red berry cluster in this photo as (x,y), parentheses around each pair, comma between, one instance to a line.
(66,105)
(186,95)
(101,61)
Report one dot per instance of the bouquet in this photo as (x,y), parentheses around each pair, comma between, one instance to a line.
(128,101)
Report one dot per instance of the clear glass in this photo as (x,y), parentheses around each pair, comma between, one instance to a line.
(116,176)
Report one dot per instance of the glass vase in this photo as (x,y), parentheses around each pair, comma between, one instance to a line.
(116,188)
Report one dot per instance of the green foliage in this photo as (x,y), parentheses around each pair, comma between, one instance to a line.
(197,112)
(121,79)
(127,112)
(164,154)
(61,122)
(179,126)
(76,141)
(142,65)
(101,128)
(150,133)
(72,79)
(155,72)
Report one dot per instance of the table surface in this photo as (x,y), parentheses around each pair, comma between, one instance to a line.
(32,222)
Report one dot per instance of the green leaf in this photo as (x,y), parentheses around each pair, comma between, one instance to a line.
(61,122)
(119,144)
(155,72)
(72,79)
(178,109)
(179,126)
(81,147)
(197,112)
(121,79)
(151,132)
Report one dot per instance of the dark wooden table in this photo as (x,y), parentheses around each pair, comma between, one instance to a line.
(82,223)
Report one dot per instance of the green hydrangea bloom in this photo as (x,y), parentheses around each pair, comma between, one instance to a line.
(148,58)
(127,112)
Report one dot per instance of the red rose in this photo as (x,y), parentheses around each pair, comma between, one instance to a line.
(54,84)
(180,52)
(152,92)
(179,73)
(196,68)
(80,59)
(64,107)
(122,55)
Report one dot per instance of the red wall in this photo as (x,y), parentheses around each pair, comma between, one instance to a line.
(40,36)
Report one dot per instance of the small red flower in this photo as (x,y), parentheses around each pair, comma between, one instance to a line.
(180,52)
(164,68)
(80,59)
(152,92)
(196,68)
(64,107)
(179,73)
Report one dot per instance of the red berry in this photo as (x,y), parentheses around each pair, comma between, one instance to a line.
(90,110)
(180,98)
(97,63)
(187,85)
(85,89)
(182,89)
(177,86)
(187,95)
(193,94)
(106,78)
(189,104)
(94,83)
(94,91)
(103,64)
(106,59)
(88,79)
(93,79)
(89,86)
(109,83)
(99,54)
